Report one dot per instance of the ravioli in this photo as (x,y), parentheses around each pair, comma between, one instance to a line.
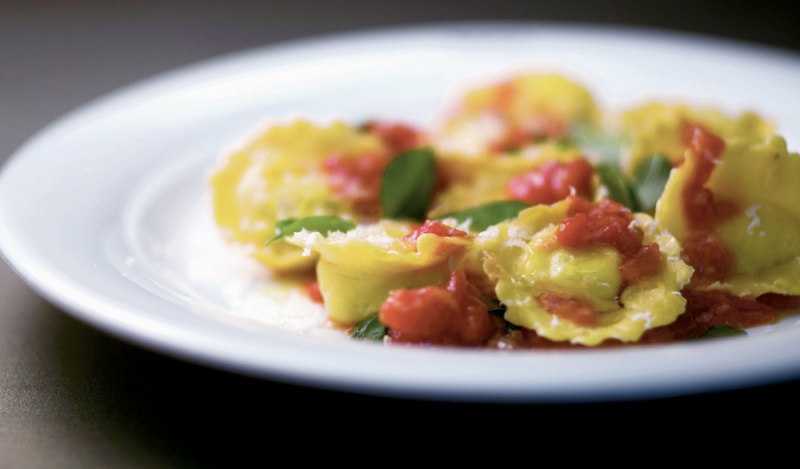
(525,109)
(357,270)
(525,260)
(761,180)
(277,174)
(482,180)
(656,128)
(574,267)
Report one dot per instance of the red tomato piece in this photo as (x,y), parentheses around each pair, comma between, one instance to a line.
(571,309)
(552,181)
(314,293)
(357,180)
(450,314)
(433,227)
(607,223)
(702,249)
(398,137)
(645,262)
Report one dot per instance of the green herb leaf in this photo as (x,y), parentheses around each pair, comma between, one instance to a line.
(619,189)
(721,331)
(369,328)
(321,223)
(486,215)
(407,185)
(649,181)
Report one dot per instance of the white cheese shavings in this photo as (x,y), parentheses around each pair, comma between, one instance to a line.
(755,221)
(645,316)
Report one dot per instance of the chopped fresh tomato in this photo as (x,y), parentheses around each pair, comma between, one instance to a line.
(702,249)
(398,137)
(571,309)
(314,293)
(552,181)
(449,314)
(357,180)
(606,223)
(433,227)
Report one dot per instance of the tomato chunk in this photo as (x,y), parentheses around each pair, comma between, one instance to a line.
(552,181)
(398,137)
(433,227)
(357,180)
(702,249)
(449,314)
(646,261)
(607,223)
(314,293)
(571,309)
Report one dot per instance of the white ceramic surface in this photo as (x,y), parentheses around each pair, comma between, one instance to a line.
(105,212)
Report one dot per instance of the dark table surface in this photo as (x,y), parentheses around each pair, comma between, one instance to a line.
(72,396)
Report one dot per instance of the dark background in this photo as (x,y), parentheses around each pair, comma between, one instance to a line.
(71,396)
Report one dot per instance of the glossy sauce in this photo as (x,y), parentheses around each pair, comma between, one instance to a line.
(450,314)
(702,249)
(551,182)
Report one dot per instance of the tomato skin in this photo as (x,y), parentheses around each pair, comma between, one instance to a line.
(552,181)
(449,314)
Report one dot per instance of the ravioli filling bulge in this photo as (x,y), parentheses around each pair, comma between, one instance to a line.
(764,234)
(525,267)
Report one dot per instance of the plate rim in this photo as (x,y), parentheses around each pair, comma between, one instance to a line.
(83,306)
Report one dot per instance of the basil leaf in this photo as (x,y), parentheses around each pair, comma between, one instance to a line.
(321,223)
(486,215)
(407,185)
(649,181)
(619,189)
(369,328)
(721,331)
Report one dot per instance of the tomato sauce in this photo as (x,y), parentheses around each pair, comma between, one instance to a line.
(610,224)
(450,314)
(397,137)
(433,227)
(712,260)
(605,224)
(536,127)
(314,293)
(571,309)
(552,181)
(357,180)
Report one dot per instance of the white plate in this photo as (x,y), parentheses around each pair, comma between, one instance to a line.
(105,212)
